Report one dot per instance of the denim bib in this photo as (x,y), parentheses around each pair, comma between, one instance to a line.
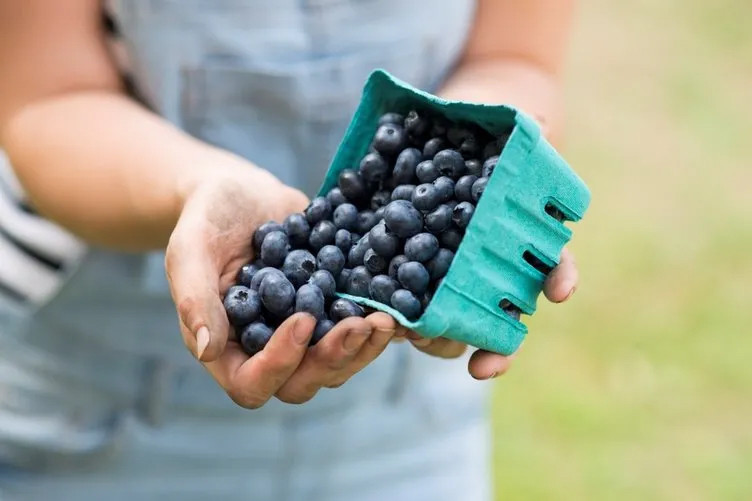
(275,81)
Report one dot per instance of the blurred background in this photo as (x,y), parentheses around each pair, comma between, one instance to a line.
(641,387)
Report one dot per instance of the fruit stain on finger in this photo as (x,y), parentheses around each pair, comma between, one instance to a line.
(355,339)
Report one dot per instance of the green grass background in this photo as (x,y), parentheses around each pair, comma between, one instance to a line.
(641,387)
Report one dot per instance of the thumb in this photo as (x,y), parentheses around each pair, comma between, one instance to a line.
(194,285)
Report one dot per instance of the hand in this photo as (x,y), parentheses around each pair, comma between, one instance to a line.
(559,287)
(210,242)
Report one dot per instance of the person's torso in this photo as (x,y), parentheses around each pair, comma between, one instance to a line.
(275,81)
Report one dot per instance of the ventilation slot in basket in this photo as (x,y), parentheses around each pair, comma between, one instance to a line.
(536,263)
(510,309)
(556,212)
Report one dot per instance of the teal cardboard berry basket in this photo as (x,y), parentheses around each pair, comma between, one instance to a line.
(515,234)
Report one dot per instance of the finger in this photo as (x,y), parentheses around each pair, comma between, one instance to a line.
(251,382)
(562,281)
(486,365)
(437,347)
(194,284)
(330,355)
(384,329)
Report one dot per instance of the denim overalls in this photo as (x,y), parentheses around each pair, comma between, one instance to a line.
(99,399)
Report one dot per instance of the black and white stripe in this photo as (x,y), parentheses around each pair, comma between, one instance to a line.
(35,254)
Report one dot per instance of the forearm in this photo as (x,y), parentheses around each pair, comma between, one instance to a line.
(101,165)
(516,82)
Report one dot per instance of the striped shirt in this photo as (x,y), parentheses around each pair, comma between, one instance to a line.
(36,255)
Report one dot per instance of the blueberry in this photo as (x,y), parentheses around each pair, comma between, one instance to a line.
(380,213)
(335,197)
(451,239)
(242,305)
(366,220)
(449,163)
(298,267)
(457,134)
(462,214)
(360,279)
(319,209)
(254,337)
(343,308)
(469,147)
(343,279)
(245,274)
(373,168)
(433,146)
(277,294)
(489,165)
(323,326)
(404,166)
(403,219)
(389,140)
(479,187)
(403,192)
(439,127)
(494,147)
(425,197)
(297,229)
(275,248)
(352,186)
(395,263)
(346,216)
(331,259)
(383,242)
(343,240)
(421,247)
(391,118)
(324,280)
(274,321)
(322,234)
(358,252)
(406,303)
(310,299)
(426,172)
(260,234)
(414,277)
(425,300)
(438,265)
(261,275)
(417,125)
(462,190)
(373,262)
(439,220)
(474,167)
(382,287)
(380,199)
(445,187)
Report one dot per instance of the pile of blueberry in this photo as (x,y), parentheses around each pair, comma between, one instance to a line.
(387,232)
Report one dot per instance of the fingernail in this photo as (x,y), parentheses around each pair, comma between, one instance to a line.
(381,336)
(300,333)
(421,342)
(355,339)
(493,375)
(203,336)
(571,293)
